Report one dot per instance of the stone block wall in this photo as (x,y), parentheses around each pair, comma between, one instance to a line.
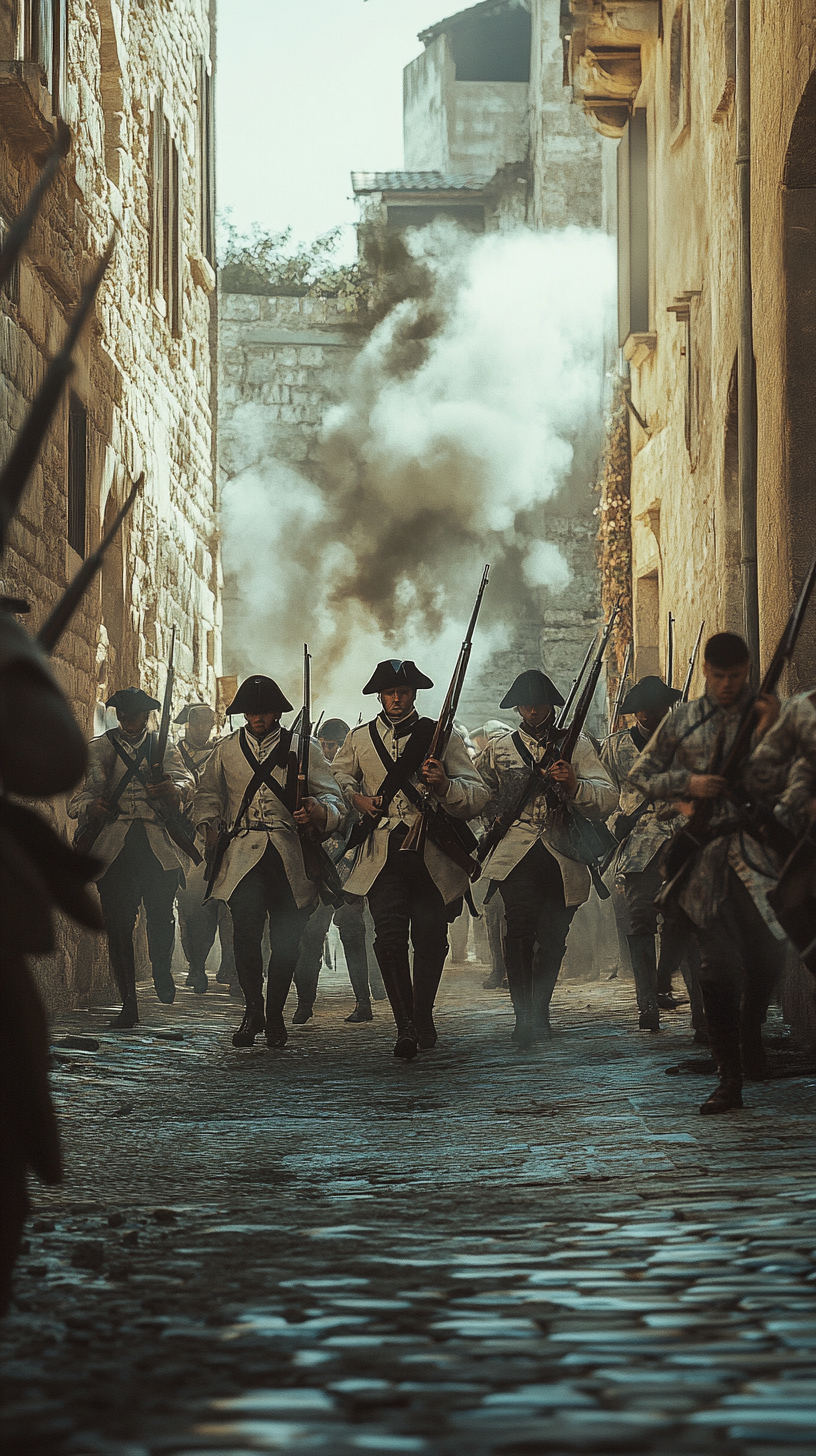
(147,389)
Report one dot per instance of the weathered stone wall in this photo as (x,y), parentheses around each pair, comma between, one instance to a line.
(147,393)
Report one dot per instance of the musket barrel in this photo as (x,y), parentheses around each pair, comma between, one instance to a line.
(61,614)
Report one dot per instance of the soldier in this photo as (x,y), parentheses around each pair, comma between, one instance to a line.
(348,917)
(42,752)
(492,909)
(199,919)
(724,894)
(540,885)
(248,784)
(643,833)
(379,769)
(142,865)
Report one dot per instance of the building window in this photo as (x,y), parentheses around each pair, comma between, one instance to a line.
(77,474)
(206,160)
(165,220)
(44,36)
(679,108)
(633,229)
(11,288)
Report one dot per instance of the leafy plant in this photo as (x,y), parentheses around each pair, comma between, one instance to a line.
(268,263)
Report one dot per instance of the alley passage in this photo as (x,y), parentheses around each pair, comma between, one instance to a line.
(479,1251)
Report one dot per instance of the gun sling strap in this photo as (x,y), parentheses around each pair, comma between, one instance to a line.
(262,775)
(398,777)
(132,765)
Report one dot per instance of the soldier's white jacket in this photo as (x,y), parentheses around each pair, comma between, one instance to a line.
(505,773)
(218,798)
(618,755)
(105,769)
(359,769)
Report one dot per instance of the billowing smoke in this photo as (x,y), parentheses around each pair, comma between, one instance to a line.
(457,428)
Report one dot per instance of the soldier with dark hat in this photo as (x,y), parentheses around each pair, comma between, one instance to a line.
(248,787)
(541,886)
(141,863)
(199,919)
(642,833)
(348,917)
(379,768)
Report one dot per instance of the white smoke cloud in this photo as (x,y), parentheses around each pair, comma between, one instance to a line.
(457,428)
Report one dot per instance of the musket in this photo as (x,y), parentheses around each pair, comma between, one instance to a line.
(560,747)
(20,230)
(692,664)
(454,838)
(157,766)
(576,683)
(29,441)
(319,867)
(670,652)
(694,834)
(621,693)
(60,615)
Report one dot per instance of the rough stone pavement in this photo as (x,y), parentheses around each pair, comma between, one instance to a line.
(482,1251)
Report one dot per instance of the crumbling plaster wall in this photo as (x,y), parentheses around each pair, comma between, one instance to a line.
(148,394)
(460,127)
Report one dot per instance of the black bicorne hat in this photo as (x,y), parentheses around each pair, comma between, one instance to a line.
(532,688)
(334,730)
(396,673)
(129,701)
(650,695)
(184,715)
(259,695)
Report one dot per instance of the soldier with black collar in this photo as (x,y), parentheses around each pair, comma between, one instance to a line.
(379,768)
(540,884)
(199,919)
(262,874)
(142,864)
(643,834)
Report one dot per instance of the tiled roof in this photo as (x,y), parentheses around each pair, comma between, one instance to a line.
(418,181)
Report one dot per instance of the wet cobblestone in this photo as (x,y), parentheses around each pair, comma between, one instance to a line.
(480,1251)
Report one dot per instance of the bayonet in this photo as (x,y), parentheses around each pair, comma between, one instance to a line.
(20,230)
(576,683)
(692,665)
(621,693)
(59,617)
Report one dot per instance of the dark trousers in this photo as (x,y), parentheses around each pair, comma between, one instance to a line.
(349,922)
(265,893)
(198,922)
(678,948)
(404,901)
(740,961)
(538,922)
(136,878)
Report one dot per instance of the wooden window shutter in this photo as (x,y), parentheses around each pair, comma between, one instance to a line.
(174,301)
(633,229)
(156,270)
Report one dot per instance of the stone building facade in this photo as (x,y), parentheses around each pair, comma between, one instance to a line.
(133,81)
(660,78)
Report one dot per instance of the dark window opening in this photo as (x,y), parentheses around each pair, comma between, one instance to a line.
(11,288)
(165,219)
(206,160)
(493,47)
(77,475)
(44,38)
(470,218)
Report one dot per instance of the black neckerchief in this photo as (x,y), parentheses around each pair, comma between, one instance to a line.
(638,737)
(262,773)
(403,727)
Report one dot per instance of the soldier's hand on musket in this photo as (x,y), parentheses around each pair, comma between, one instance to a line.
(564,774)
(706,786)
(165,790)
(311,814)
(365,804)
(433,774)
(100,808)
(766,712)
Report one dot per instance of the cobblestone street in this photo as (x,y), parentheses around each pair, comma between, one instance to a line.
(479,1251)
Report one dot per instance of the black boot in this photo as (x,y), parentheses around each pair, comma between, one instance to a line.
(494,980)
(361,1012)
(427,975)
(164,984)
(197,980)
(128,1016)
(644,968)
(725,1098)
(752,1053)
(518,954)
(302,1014)
(396,975)
(251,1026)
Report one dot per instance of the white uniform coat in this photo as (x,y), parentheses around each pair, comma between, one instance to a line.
(359,769)
(505,773)
(218,798)
(105,769)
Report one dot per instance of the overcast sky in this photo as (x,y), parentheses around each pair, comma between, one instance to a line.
(307,91)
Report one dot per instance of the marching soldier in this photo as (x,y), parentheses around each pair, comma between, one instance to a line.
(642,834)
(199,919)
(249,785)
(540,885)
(724,895)
(348,917)
(142,865)
(379,768)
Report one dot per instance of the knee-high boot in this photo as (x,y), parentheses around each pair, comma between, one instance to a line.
(722,1016)
(396,974)
(427,975)
(644,968)
(518,954)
